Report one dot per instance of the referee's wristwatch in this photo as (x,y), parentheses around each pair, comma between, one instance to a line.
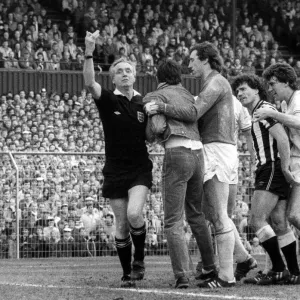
(88,56)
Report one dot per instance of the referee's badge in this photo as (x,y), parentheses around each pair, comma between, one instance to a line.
(140,117)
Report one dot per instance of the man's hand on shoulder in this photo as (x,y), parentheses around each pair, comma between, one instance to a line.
(263,113)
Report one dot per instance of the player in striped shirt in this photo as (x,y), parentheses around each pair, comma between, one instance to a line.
(271,182)
(282,82)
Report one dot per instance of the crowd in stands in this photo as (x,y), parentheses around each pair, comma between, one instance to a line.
(146,32)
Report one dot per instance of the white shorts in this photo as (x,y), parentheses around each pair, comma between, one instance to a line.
(295,167)
(220,160)
(235,172)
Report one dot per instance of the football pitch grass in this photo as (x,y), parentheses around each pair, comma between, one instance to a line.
(99,278)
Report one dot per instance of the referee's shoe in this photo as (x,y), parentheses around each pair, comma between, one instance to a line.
(127,282)
(138,270)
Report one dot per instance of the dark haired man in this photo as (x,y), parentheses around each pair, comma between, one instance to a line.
(215,111)
(183,174)
(271,184)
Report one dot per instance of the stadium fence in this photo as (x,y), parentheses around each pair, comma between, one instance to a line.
(30,239)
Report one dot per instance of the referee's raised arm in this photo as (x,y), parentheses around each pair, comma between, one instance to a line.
(88,67)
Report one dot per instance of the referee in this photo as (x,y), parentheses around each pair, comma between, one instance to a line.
(128,169)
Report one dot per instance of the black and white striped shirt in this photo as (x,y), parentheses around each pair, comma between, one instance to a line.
(264,144)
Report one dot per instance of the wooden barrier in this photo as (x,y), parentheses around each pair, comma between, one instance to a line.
(60,81)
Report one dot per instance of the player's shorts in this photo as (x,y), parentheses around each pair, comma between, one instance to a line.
(219,160)
(235,172)
(295,167)
(269,177)
(117,184)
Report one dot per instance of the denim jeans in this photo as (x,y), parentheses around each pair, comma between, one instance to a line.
(183,172)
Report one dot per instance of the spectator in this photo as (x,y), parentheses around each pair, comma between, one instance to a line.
(146,55)
(78,63)
(51,231)
(5,50)
(81,244)
(53,64)
(89,17)
(71,48)
(90,218)
(12,246)
(147,68)
(111,27)
(104,246)
(11,62)
(37,8)
(26,62)
(42,41)
(12,24)
(256,247)
(236,68)
(60,44)
(18,39)
(267,35)
(6,38)
(65,62)
(43,220)
(69,6)
(26,243)
(66,246)
(40,61)
(122,43)
(28,48)
(249,68)
(225,48)
(151,241)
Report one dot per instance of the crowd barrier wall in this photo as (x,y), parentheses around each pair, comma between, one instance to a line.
(61,81)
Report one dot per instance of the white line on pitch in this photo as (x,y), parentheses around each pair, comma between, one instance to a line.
(149,264)
(145,291)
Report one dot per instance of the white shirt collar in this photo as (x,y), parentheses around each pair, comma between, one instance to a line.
(117,92)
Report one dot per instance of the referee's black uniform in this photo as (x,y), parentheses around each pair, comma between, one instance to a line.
(127,161)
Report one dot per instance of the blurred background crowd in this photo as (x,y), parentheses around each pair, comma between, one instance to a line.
(62,211)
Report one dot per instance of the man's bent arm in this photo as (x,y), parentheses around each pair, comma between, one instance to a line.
(291,121)
(193,112)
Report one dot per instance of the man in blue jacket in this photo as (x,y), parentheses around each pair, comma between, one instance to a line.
(183,172)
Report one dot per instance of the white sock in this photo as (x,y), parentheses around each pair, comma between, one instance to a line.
(268,264)
(240,252)
(225,244)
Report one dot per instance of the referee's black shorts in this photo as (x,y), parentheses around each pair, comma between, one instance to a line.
(269,177)
(117,183)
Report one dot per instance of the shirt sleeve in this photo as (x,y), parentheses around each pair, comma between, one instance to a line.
(244,120)
(105,101)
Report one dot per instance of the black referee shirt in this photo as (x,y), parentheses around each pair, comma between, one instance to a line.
(124,125)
